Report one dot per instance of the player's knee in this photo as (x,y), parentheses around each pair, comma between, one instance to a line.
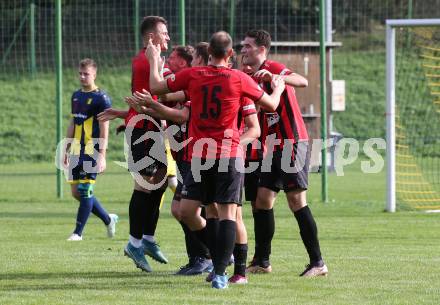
(85,190)
(175,210)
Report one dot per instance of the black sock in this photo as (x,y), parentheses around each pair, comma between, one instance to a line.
(309,234)
(152,215)
(137,210)
(264,227)
(225,245)
(201,236)
(188,240)
(240,257)
(212,226)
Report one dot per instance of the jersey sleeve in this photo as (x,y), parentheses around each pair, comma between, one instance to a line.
(179,81)
(278,68)
(250,88)
(166,72)
(105,103)
(247,107)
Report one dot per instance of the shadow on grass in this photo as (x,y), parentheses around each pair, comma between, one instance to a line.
(84,280)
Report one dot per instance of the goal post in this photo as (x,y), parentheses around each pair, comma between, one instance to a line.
(392,179)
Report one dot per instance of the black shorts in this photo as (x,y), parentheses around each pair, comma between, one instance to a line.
(251,181)
(183,167)
(291,176)
(141,150)
(82,173)
(222,187)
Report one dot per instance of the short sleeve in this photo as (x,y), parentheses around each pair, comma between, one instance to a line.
(105,103)
(278,68)
(250,88)
(179,81)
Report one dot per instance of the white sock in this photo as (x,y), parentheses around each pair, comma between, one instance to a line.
(149,238)
(137,243)
(172,183)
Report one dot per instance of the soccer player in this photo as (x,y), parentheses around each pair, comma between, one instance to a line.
(85,156)
(287,125)
(181,57)
(216,93)
(144,202)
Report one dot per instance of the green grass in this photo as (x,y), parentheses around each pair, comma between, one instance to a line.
(373,257)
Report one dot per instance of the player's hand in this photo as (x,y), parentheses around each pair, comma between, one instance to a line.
(263,75)
(107,115)
(278,83)
(120,128)
(144,98)
(101,163)
(133,103)
(66,159)
(153,51)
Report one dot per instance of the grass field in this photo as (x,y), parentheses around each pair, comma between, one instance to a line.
(373,257)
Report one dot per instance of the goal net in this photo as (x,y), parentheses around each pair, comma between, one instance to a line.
(413,114)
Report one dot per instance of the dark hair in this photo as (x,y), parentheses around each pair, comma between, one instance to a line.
(262,38)
(202,50)
(220,44)
(185,52)
(88,62)
(233,60)
(150,22)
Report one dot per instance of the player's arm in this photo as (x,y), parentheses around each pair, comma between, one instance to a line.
(158,86)
(291,79)
(270,102)
(157,110)
(253,130)
(174,97)
(111,114)
(69,135)
(103,142)
(295,80)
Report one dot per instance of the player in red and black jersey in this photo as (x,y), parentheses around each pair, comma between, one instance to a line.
(144,202)
(216,98)
(177,120)
(287,127)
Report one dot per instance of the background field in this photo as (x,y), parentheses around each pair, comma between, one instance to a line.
(373,257)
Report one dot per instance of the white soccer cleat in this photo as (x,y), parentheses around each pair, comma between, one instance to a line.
(111,227)
(75,237)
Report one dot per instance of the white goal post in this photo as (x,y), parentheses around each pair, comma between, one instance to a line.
(390,100)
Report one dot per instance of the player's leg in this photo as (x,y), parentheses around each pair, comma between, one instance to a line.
(295,185)
(85,191)
(98,210)
(149,243)
(240,251)
(264,228)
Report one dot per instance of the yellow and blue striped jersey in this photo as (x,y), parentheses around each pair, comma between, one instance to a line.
(85,108)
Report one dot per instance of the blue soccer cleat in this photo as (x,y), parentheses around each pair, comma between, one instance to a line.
(200,265)
(220,282)
(138,257)
(152,249)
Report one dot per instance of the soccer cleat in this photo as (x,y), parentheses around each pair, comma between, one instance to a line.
(238,279)
(257,267)
(138,257)
(186,267)
(111,227)
(220,282)
(210,276)
(319,269)
(152,249)
(200,265)
(75,237)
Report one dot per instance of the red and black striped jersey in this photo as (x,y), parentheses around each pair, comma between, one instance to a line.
(286,122)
